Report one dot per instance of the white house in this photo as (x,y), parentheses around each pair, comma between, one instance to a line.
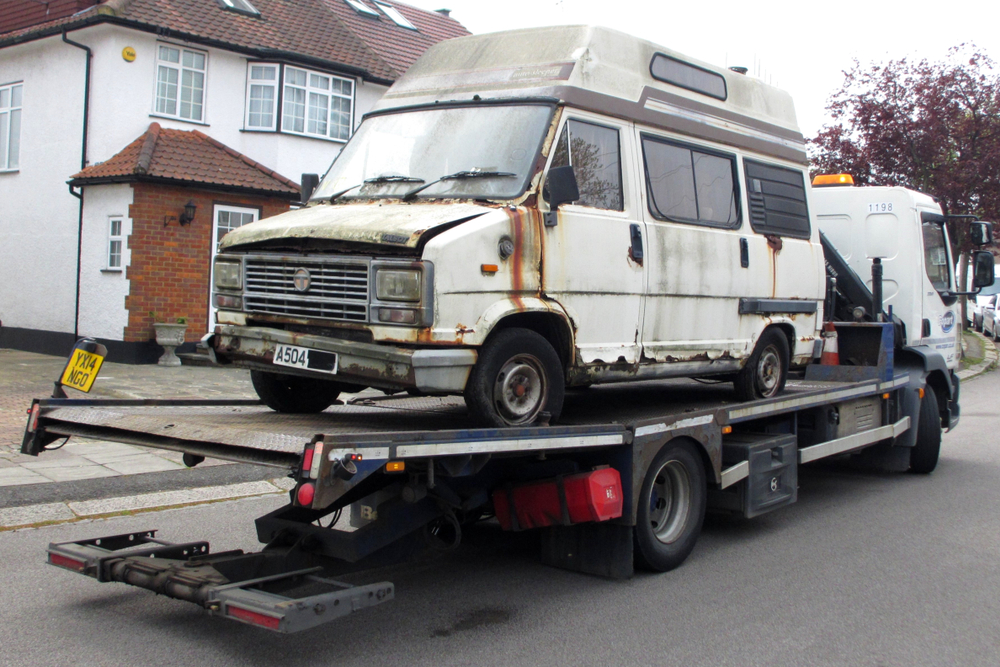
(278,86)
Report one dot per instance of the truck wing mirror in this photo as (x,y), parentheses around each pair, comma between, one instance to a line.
(983,269)
(981,233)
(560,188)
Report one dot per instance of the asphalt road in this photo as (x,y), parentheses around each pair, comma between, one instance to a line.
(865,569)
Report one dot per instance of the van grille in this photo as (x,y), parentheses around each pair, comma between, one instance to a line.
(338,289)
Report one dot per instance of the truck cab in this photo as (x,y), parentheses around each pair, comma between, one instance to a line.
(534,210)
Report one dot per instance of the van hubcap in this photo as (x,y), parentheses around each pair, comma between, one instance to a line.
(519,391)
(768,372)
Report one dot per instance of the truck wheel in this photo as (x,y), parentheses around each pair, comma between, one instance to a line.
(517,377)
(766,370)
(671,508)
(924,455)
(294,394)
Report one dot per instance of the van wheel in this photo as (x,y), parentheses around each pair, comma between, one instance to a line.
(294,394)
(765,372)
(517,377)
(924,455)
(671,508)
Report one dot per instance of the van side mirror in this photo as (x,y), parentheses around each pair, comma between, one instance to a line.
(981,233)
(560,188)
(983,269)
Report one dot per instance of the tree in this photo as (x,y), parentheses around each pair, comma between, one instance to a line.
(928,126)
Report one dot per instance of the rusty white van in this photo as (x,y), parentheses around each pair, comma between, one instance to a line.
(534,210)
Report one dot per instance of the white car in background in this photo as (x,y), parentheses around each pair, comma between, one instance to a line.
(974,311)
(989,318)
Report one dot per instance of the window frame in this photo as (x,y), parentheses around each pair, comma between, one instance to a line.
(733,161)
(276,87)
(621,158)
(231,6)
(112,238)
(308,89)
(394,15)
(8,112)
(180,68)
(660,56)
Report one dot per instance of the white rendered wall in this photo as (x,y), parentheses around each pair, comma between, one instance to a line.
(102,310)
(38,216)
(122,104)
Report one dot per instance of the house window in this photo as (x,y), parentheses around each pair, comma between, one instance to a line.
(115,243)
(316,104)
(10,126)
(395,16)
(362,8)
(262,96)
(180,83)
(240,7)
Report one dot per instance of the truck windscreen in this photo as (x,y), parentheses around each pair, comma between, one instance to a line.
(393,154)
(936,256)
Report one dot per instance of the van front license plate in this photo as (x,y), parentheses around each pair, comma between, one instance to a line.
(301,357)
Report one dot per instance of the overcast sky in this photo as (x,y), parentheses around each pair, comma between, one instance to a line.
(802,46)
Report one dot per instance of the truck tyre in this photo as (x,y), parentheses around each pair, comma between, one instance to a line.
(294,394)
(671,508)
(517,377)
(765,372)
(924,455)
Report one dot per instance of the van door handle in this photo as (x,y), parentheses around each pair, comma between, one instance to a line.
(744,253)
(635,252)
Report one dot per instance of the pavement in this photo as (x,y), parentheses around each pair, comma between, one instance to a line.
(86,478)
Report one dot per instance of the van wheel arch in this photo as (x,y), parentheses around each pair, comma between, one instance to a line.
(550,326)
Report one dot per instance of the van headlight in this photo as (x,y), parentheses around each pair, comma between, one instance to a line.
(398,285)
(228,274)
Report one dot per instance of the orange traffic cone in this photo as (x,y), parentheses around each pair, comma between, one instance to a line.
(831,355)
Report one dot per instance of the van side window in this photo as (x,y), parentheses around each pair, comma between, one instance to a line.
(690,185)
(777,200)
(594,153)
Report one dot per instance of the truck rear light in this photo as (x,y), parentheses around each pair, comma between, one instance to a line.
(395,466)
(68,563)
(33,420)
(256,618)
(305,494)
(307,461)
(317,459)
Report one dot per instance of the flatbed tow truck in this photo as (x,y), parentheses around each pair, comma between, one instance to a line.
(746,461)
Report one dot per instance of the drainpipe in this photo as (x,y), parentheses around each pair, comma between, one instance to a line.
(83,165)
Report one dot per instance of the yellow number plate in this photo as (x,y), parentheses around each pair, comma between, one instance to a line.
(82,370)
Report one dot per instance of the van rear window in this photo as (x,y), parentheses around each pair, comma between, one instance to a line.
(688,76)
(777,200)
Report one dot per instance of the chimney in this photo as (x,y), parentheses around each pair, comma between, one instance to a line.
(443,12)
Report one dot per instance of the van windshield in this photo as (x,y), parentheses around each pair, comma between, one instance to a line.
(460,152)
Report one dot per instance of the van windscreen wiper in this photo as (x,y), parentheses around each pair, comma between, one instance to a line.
(377,179)
(457,176)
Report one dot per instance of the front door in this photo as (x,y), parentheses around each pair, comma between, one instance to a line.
(588,264)
(225,219)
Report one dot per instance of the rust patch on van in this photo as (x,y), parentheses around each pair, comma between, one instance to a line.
(774,244)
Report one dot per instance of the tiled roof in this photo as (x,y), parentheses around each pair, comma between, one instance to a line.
(186,157)
(328,30)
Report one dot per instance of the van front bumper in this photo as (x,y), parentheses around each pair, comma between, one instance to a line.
(433,370)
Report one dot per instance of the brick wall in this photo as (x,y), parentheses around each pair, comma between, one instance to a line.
(16,14)
(169,271)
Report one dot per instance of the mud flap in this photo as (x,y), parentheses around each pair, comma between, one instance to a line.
(603,549)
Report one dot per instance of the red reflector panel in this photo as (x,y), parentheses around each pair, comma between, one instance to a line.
(305,494)
(262,620)
(590,496)
(68,563)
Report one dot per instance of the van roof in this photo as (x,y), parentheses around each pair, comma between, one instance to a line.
(609,72)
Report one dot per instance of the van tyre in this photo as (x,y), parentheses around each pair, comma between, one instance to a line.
(294,394)
(517,377)
(765,373)
(671,508)
(924,455)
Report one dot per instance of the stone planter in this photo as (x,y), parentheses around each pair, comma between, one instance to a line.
(169,336)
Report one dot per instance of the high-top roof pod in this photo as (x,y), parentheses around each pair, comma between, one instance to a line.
(612,73)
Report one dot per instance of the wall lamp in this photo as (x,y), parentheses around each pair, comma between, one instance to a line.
(188,215)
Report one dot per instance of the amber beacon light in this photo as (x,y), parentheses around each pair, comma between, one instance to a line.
(827,180)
